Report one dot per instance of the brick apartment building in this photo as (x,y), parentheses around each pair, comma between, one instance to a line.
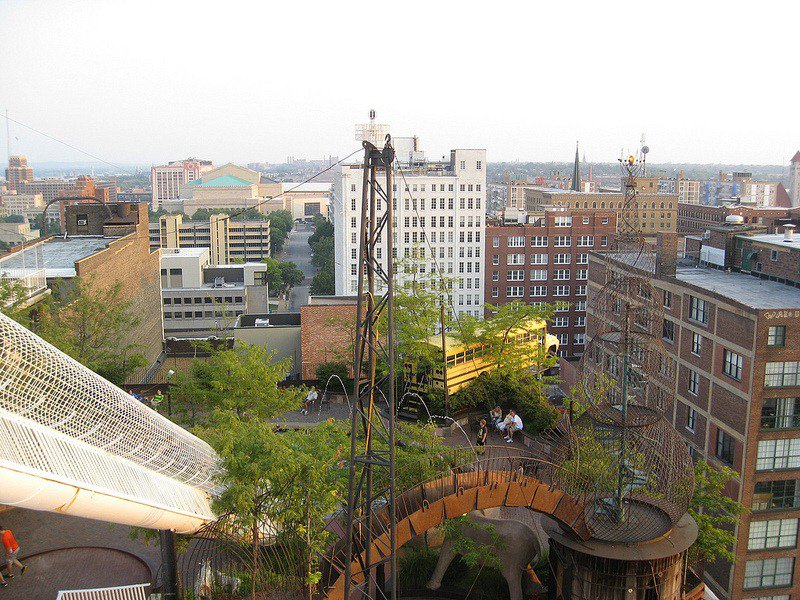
(732,324)
(656,212)
(546,260)
(694,218)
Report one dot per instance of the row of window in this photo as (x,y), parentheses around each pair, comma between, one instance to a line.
(541,241)
(204,300)
(201,314)
(518,291)
(541,275)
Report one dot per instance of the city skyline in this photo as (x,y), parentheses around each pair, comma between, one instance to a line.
(165,83)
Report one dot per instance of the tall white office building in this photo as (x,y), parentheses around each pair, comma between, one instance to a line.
(440,220)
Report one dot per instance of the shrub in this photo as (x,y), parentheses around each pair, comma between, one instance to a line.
(328,369)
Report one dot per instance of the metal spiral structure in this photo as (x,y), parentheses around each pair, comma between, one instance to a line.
(642,470)
(73,442)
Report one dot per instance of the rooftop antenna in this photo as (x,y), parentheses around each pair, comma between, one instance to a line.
(644,150)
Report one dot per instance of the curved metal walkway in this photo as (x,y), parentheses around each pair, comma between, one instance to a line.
(74,443)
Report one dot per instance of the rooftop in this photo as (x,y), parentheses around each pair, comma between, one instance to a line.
(60,254)
(306,187)
(740,287)
(226,181)
(775,239)
(183,252)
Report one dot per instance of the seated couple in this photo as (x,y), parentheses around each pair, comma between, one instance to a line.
(509,425)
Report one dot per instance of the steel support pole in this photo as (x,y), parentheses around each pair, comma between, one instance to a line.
(169,566)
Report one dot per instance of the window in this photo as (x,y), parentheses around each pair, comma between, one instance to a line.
(496,241)
(463,165)
(732,364)
(580,290)
(561,275)
(604,220)
(725,445)
(516,241)
(769,572)
(562,259)
(604,240)
(697,343)
(667,299)
(538,259)
(539,241)
(694,382)
(515,291)
(580,338)
(778,454)
(495,259)
(698,310)
(773,255)
(580,306)
(780,413)
(539,275)
(538,290)
(561,322)
(583,259)
(562,241)
(515,275)
(563,221)
(691,416)
(515,259)
(495,275)
(776,336)
(586,240)
(495,292)
(776,495)
(782,374)
(582,275)
(777,533)
(561,290)
(668,330)
(580,321)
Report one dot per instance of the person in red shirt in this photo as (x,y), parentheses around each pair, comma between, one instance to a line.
(12,551)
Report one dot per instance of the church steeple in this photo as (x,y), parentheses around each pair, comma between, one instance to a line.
(576,172)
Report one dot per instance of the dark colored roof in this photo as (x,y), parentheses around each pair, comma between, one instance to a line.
(782,196)
(275,320)
(796,157)
(576,172)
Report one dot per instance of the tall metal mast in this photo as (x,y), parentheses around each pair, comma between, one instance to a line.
(370,542)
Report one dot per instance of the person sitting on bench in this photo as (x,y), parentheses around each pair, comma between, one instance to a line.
(514,425)
(495,416)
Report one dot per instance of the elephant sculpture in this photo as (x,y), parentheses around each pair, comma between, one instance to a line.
(520,549)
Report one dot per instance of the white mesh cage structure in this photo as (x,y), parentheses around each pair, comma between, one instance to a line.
(72,442)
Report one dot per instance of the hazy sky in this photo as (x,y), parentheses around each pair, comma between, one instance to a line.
(234,81)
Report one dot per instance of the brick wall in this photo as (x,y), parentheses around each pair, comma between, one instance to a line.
(128,260)
(327,334)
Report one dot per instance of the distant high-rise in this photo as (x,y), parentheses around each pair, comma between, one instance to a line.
(794,178)
(18,171)
(166,180)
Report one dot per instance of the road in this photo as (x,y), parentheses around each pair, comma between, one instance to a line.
(297,250)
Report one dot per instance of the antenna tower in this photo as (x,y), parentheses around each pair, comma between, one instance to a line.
(370,542)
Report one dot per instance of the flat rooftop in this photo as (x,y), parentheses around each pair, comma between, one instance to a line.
(775,239)
(60,254)
(746,289)
(183,252)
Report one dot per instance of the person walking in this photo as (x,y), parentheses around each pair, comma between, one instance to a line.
(483,432)
(310,399)
(12,552)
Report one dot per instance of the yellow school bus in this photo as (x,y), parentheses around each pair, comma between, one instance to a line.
(465,363)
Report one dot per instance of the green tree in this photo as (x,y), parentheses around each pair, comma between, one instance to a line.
(290,274)
(13,295)
(715,513)
(280,224)
(323,284)
(88,322)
